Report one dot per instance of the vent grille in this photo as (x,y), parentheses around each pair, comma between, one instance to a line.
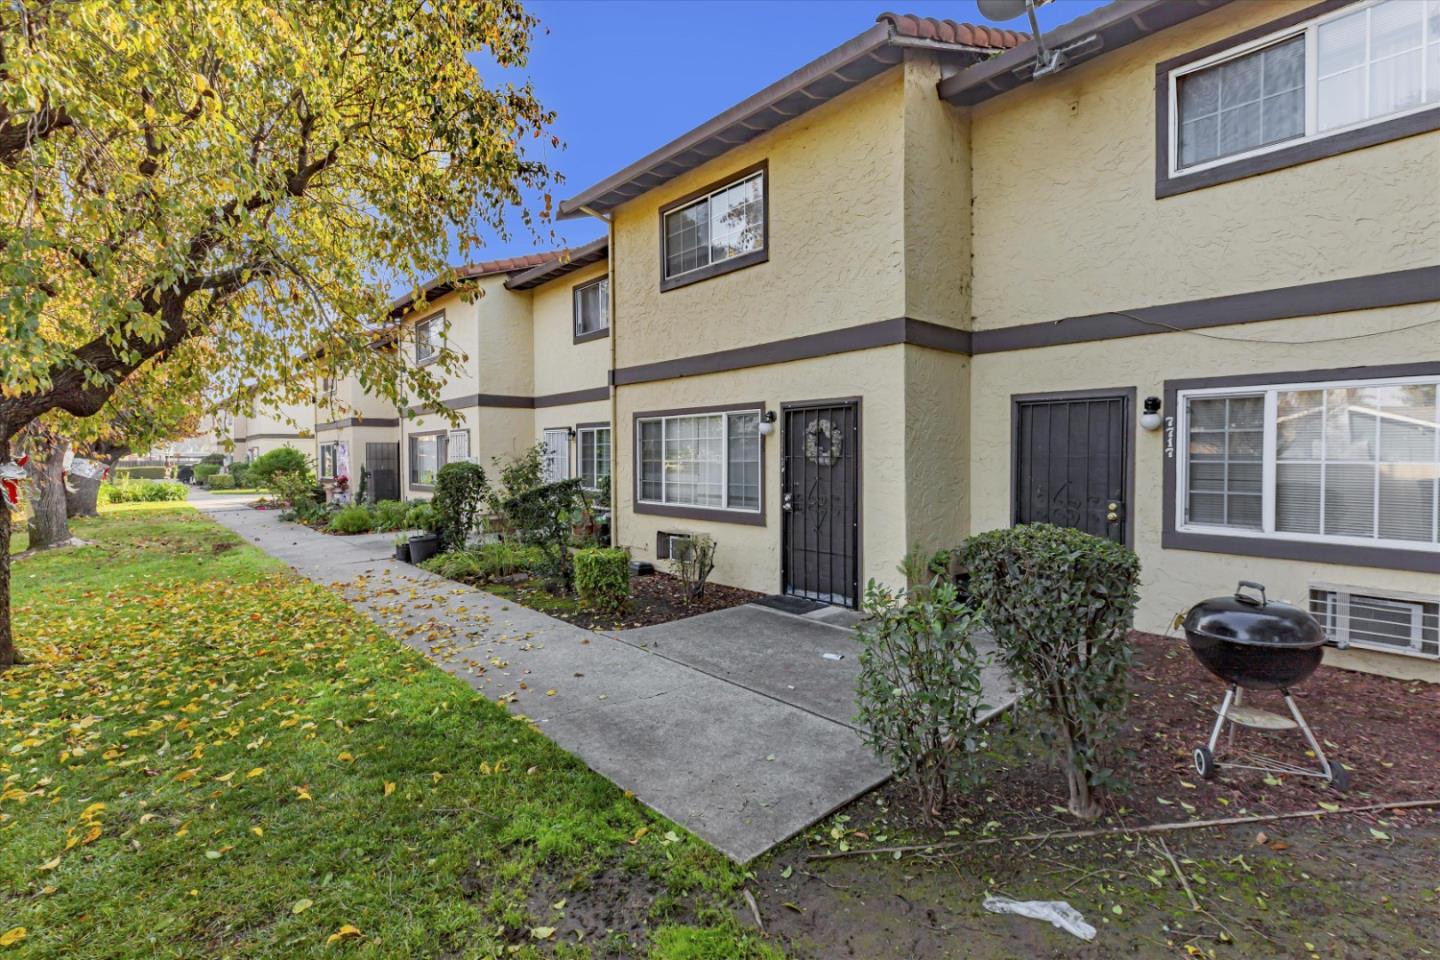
(1397,624)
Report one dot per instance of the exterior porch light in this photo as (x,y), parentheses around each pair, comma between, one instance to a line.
(767,423)
(1150,418)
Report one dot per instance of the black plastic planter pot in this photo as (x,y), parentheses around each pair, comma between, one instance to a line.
(402,552)
(424,547)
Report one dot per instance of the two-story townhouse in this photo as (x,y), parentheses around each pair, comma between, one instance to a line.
(534,341)
(357,430)
(1182,293)
(270,427)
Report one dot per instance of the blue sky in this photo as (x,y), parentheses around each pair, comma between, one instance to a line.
(625,77)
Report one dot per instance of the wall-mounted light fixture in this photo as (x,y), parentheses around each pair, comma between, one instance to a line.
(1150,418)
(767,423)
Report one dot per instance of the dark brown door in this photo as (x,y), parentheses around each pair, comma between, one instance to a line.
(383,462)
(1072,462)
(820,501)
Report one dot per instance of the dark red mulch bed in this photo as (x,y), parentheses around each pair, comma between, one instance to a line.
(657,598)
(1387,732)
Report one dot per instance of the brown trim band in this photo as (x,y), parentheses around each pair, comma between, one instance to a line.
(515,401)
(682,512)
(274,436)
(866,336)
(1419,285)
(358,422)
(1277,546)
(1317,149)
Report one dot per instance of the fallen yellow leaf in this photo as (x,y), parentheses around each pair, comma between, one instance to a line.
(345,757)
(346,930)
(50,864)
(258,831)
(12,936)
(92,834)
(300,906)
(255,773)
(389,788)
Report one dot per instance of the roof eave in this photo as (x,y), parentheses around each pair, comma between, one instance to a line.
(567,261)
(1117,24)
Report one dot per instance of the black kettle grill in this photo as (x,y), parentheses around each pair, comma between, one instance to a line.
(1254,644)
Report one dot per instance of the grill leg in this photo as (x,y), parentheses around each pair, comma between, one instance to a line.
(1305,729)
(1224,713)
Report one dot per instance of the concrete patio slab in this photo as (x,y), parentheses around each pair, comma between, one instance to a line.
(742,769)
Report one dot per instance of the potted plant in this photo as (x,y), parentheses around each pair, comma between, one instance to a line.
(402,548)
(425,518)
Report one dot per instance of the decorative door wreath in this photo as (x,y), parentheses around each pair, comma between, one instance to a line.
(826,455)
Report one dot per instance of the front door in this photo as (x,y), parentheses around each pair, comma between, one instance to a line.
(382,460)
(820,501)
(1072,462)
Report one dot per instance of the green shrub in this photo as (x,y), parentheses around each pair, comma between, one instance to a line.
(919,689)
(692,561)
(141,491)
(140,473)
(390,515)
(354,518)
(455,564)
(460,491)
(216,458)
(240,473)
(204,471)
(602,578)
(505,558)
(1059,604)
(423,516)
(220,481)
(542,518)
(281,460)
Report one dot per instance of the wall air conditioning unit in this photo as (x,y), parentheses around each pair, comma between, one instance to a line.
(1393,622)
(671,546)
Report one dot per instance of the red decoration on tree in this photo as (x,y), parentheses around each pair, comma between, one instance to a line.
(11,474)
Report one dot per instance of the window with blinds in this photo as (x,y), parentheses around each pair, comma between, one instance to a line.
(1341,462)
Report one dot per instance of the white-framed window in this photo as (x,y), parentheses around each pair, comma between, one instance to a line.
(427,456)
(700,460)
(592,446)
(328,460)
(429,335)
(1354,462)
(557,455)
(457,446)
(724,224)
(592,308)
(1359,65)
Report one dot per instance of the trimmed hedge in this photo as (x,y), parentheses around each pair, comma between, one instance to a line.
(602,578)
(460,489)
(240,472)
(140,473)
(204,471)
(280,460)
(220,481)
(141,491)
(1059,604)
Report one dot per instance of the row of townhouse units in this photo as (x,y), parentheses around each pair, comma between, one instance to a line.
(1183,293)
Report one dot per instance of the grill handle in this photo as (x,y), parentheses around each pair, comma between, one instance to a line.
(1244,598)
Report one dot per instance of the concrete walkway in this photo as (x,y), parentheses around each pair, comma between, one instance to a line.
(733,724)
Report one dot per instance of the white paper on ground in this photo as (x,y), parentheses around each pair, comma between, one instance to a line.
(1056,912)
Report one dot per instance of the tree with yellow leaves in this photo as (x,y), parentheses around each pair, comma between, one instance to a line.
(246,172)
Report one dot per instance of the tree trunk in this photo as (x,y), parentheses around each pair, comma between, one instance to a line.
(48,523)
(7,648)
(82,496)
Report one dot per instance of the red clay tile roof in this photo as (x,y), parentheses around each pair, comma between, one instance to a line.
(948,31)
(505,265)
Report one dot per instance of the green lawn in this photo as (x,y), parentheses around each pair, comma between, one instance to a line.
(210,757)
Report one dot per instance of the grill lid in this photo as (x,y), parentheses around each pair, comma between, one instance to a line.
(1254,621)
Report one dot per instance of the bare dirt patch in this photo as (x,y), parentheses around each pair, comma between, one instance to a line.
(657,598)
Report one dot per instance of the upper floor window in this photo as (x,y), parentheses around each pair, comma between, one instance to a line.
(721,229)
(1358,66)
(428,337)
(592,309)
(1343,462)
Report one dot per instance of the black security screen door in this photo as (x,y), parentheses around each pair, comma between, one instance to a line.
(1072,458)
(383,462)
(820,498)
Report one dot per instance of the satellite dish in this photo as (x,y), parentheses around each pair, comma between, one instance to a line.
(1001,10)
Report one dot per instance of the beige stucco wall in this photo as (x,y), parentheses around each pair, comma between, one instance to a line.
(936,199)
(271,426)
(937,448)
(494,432)
(749,556)
(491,333)
(1172,580)
(836,237)
(561,364)
(1068,223)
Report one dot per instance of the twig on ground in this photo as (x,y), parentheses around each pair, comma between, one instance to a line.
(1175,865)
(754,910)
(1127,831)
